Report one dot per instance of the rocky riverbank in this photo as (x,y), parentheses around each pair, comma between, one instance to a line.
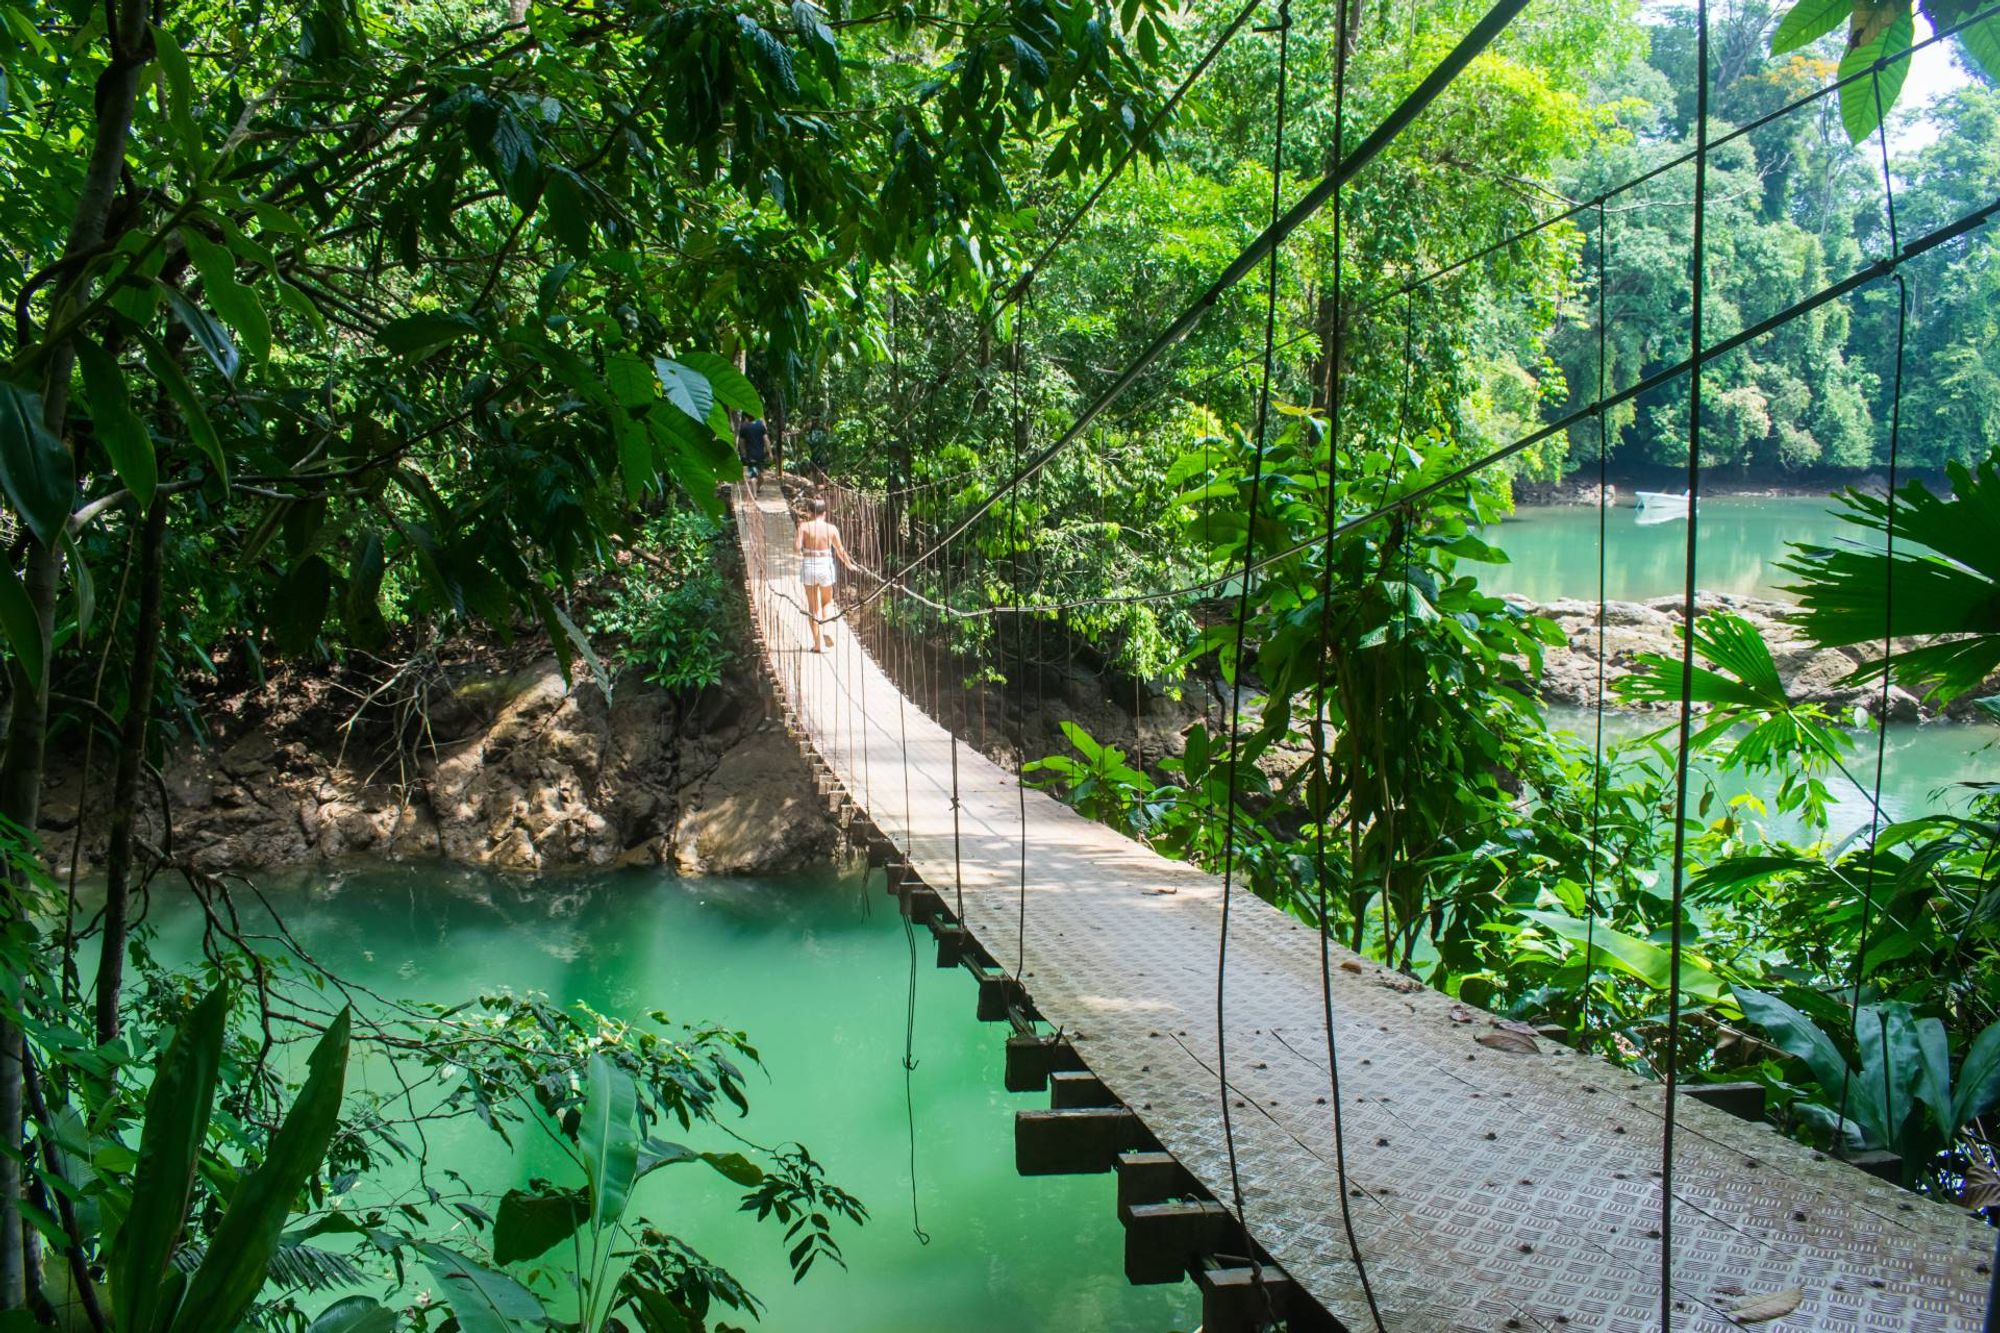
(1810,674)
(489,760)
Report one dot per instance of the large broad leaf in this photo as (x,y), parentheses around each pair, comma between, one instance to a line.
(609,1138)
(234,302)
(1632,955)
(208,333)
(194,413)
(1879,31)
(1883,1093)
(1981,41)
(1978,1084)
(354,1314)
(732,387)
(177,1111)
(119,429)
(417,335)
(239,1256)
(530,1222)
(1796,1035)
(483,1300)
(35,469)
(22,626)
(1808,21)
(685,387)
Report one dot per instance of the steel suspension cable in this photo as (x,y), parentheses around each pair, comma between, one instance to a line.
(1685,740)
(1490,25)
(1235,679)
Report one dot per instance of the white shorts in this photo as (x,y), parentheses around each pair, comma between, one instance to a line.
(816,569)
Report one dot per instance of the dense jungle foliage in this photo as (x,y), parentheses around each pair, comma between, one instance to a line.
(341,328)
(1393,771)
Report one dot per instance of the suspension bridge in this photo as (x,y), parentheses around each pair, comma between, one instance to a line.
(1493,1180)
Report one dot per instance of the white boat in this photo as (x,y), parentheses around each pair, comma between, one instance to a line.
(1660,507)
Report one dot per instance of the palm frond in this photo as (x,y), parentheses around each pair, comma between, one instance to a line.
(1944,580)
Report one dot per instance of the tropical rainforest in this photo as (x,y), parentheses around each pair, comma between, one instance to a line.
(342,328)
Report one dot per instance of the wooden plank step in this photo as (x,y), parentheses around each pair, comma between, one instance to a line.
(1078,1141)
(1031,1059)
(1078,1087)
(1163,1241)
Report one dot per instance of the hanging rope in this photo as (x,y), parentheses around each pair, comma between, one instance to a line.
(1242,625)
(1336,390)
(1592,900)
(1888,602)
(1014,537)
(1684,743)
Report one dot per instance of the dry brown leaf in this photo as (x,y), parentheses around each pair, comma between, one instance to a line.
(1461,1014)
(1402,985)
(1759,1309)
(1509,1025)
(1981,1188)
(1517,1043)
(1350,966)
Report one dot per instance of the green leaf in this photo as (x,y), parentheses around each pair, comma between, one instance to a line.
(234,302)
(1978,1083)
(194,413)
(178,81)
(1862,105)
(483,1300)
(736,1167)
(609,1138)
(1636,957)
(657,1311)
(1796,1035)
(530,1223)
(566,206)
(418,335)
(631,383)
(299,609)
(354,1314)
(685,387)
(177,1111)
(1808,21)
(235,1266)
(731,387)
(35,469)
(119,430)
(209,335)
(582,642)
(1981,41)
(21,625)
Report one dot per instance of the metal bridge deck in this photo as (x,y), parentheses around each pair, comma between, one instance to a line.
(1489,1190)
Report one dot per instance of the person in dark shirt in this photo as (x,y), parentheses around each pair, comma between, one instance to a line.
(751,437)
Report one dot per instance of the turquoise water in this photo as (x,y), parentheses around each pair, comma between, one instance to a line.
(820,986)
(1553,548)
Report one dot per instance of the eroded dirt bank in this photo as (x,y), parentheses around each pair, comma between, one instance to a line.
(486,758)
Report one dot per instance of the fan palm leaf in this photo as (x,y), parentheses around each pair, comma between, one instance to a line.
(1942,583)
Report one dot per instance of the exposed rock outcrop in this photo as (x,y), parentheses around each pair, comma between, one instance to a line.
(506,765)
(1810,674)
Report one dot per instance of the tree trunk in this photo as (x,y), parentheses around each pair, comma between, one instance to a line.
(125,783)
(130,39)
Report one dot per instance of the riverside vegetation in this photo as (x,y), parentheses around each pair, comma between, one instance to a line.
(341,332)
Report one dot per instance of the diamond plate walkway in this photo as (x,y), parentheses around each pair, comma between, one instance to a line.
(1490,1190)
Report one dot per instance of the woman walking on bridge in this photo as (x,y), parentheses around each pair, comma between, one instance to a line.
(817,543)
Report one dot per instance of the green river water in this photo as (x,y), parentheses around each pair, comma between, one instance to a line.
(820,986)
